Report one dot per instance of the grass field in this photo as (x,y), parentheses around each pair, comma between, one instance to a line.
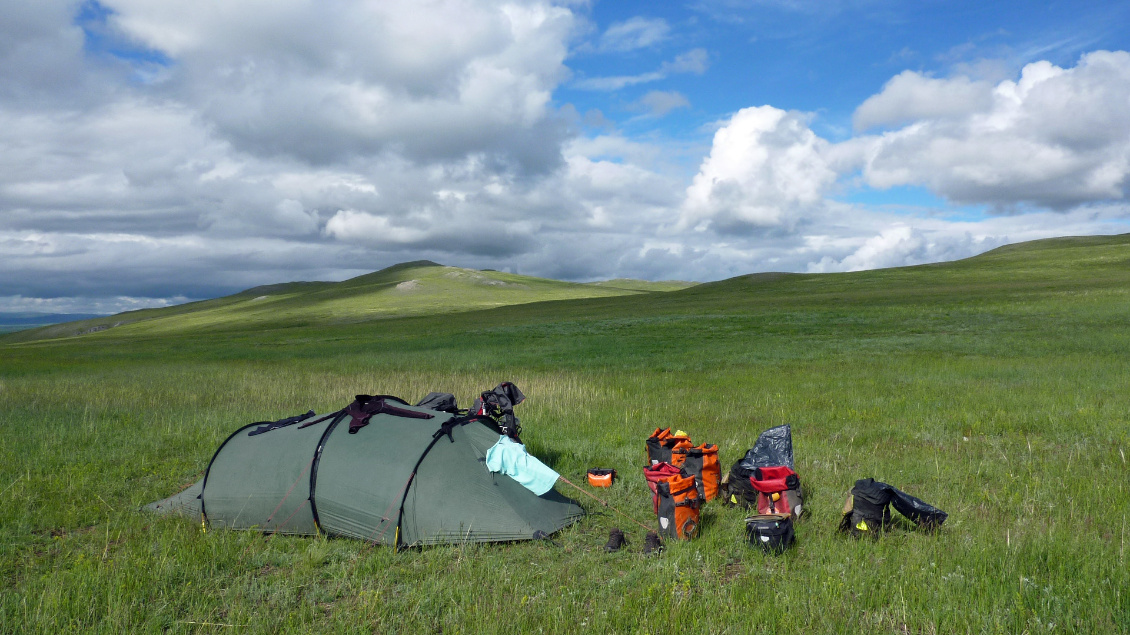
(994,388)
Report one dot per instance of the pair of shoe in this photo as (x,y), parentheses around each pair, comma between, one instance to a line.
(616,540)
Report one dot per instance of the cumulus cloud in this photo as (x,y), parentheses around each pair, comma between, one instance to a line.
(766,168)
(151,152)
(894,246)
(1056,138)
(856,239)
(1051,148)
(41,54)
(272,131)
(910,96)
(59,264)
(327,81)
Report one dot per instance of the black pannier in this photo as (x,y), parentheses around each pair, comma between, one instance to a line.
(772,533)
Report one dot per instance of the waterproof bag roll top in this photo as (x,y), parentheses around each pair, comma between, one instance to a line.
(702,461)
(772,533)
(778,489)
(661,443)
(658,472)
(867,510)
(678,509)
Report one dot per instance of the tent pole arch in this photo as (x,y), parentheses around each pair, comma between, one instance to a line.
(314,468)
(444,430)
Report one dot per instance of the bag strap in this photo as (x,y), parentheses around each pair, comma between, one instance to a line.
(267,426)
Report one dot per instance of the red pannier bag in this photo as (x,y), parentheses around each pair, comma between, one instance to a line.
(778,490)
(659,472)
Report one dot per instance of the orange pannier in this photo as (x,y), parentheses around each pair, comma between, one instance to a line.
(703,463)
(661,443)
(678,507)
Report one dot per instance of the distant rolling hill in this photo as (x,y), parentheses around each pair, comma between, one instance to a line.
(1057,266)
(412,288)
(17,321)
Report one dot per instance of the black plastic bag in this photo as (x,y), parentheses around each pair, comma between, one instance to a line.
(774,447)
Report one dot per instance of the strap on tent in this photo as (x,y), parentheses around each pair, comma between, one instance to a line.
(358,398)
(446,427)
(267,426)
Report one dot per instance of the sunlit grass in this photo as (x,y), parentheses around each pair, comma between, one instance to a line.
(994,388)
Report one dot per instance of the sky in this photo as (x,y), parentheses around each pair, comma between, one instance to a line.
(154,152)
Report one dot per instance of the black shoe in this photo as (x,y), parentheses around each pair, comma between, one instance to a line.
(652,544)
(616,540)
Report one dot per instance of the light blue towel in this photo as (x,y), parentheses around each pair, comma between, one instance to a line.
(511,459)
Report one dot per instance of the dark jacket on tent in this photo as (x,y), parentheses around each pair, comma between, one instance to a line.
(396,480)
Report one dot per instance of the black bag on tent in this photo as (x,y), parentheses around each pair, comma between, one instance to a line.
(867,510)
(442,401)
(499,404)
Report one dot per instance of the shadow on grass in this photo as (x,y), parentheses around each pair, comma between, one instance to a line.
(545,454)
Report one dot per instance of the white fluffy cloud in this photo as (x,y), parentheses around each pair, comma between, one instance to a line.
(329,80)
(1056,138)
(765,169)
(898,244)
(269,127)
(1054,145)
(153,150)
(910,97)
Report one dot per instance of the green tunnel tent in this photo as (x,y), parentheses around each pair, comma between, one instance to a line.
(398,480)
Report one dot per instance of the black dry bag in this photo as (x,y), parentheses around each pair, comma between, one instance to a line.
(773,533)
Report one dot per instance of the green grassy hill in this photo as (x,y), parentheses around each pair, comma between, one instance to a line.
(993,387)
(412,288)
